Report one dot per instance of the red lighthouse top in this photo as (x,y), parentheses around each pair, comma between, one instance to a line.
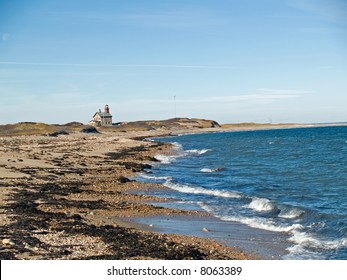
(107,109)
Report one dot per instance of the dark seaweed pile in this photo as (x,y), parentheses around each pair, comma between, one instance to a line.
(51,190)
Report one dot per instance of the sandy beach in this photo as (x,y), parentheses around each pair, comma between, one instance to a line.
(72,197)
(69,197)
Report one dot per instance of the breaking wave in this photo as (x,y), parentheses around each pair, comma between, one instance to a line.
(199,190)
(210,170)
(179,152)
(292,213)
(198,152)
(307,246)
(261,205)
(155,177)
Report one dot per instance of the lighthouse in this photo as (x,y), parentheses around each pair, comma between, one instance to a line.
(102,118)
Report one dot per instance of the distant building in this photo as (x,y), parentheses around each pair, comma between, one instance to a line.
(102,118)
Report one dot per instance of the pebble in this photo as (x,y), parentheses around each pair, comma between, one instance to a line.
(39,201)
(7,241)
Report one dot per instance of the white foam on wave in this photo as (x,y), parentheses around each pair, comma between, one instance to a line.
(198,152)
(199,190)
(254,222)
(206,207)
(165,159)
(307,246)
(169,158)
(293,213)
(263,223)
(206,170)
(297,252)
(177,145)
(308,241)
(210,170)
(178,152)
(261,205)
(155,177)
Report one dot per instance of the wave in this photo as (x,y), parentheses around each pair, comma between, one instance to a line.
(178,152)
(155,177)
(198,152)
(261,205)
(263,223)
(169,158)
(206,207)
(254,222)
(266,205)
(165,159)
(293,213)
(308,241)
(207,170)
(307,246)
(199,190)
(210,170)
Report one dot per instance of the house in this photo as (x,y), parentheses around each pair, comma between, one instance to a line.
(102,118)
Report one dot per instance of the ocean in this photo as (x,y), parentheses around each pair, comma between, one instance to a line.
(290,182)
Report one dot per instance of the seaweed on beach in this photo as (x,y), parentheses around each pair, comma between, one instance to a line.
(125,152)
(124,243)
(90,129)
(61,209)
(57,133)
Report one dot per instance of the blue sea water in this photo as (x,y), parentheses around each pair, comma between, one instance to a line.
(286,181)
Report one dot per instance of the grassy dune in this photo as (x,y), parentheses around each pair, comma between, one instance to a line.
(33,128)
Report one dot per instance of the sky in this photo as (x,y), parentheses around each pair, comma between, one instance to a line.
(277,61)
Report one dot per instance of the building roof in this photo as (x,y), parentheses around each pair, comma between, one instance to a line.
(103,115)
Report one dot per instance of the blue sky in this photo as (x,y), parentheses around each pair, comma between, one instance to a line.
(227,60)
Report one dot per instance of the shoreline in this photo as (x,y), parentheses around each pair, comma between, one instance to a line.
(70,197)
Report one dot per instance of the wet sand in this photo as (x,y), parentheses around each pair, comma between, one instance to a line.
(70,197)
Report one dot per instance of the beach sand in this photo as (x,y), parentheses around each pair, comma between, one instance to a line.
(70,197)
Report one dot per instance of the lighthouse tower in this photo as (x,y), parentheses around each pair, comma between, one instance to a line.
(107,109)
